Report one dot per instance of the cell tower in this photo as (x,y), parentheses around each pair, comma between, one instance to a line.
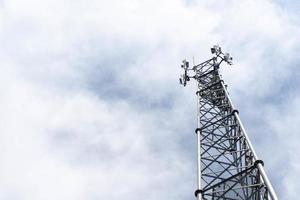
(228,167)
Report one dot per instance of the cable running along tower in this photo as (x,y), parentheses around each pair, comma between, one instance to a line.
(228,167)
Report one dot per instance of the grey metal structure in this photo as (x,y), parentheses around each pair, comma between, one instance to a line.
(228,167)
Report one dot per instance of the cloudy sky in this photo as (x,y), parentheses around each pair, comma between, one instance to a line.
(91,108)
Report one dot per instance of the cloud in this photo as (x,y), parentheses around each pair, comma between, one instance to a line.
(283,123)
(91,107)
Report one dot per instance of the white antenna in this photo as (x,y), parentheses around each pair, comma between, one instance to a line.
(193,61)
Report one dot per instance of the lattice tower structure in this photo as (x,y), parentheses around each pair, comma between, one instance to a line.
(228,167)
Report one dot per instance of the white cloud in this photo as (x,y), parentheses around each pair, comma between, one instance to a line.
(284,124)
(63,136)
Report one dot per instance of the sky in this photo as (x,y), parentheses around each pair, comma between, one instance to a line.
(91,107)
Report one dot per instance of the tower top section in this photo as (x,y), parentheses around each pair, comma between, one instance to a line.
(200,69)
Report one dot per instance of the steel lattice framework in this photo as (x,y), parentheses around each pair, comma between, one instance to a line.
(228,167)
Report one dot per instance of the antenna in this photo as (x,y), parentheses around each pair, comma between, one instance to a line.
(214,63)
(228,167)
